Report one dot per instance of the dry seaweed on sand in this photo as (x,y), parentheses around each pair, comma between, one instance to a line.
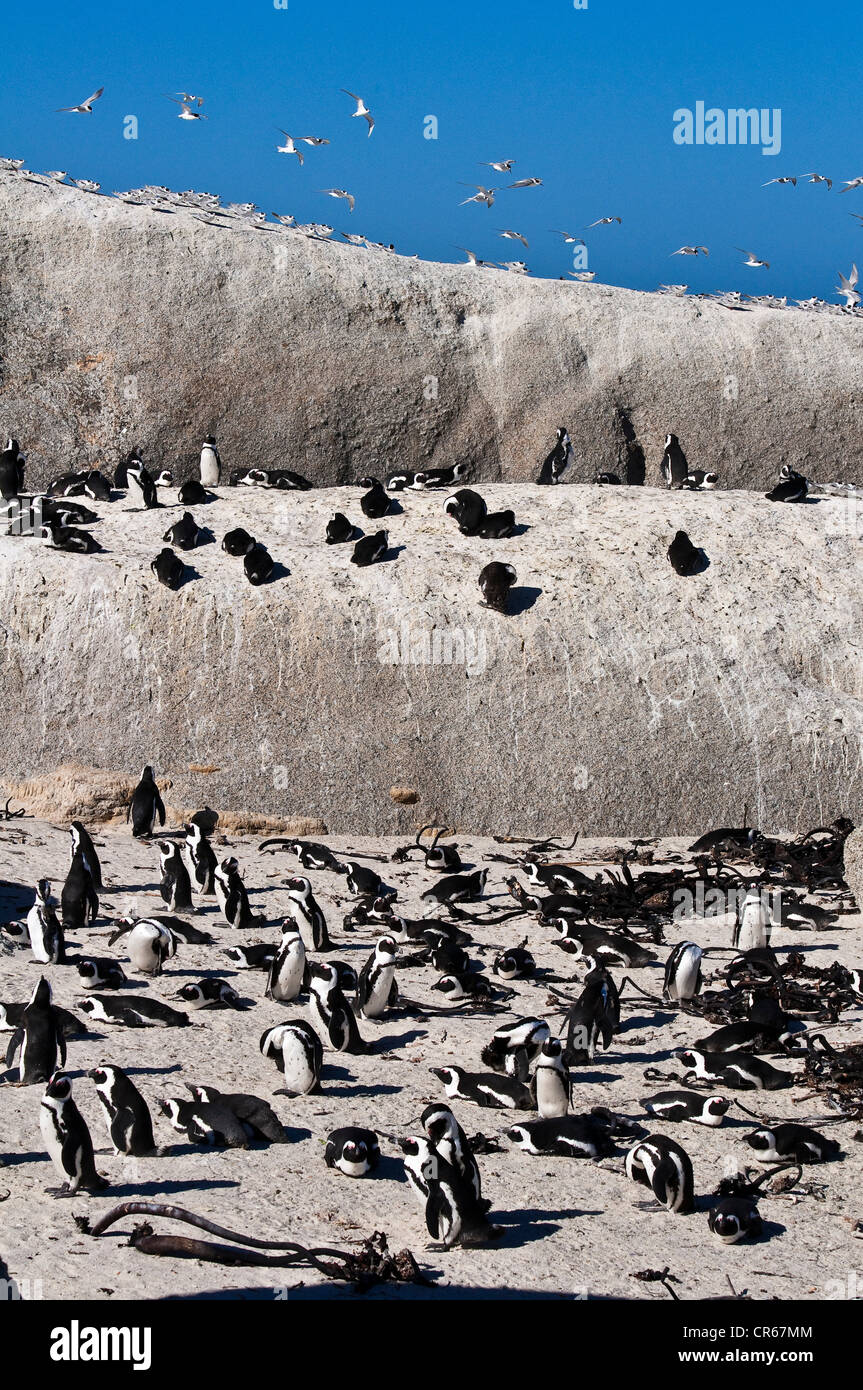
(372,1263)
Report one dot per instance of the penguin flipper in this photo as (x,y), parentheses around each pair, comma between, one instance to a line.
(160,808)
(61,1047)
(15,1042)
(436,1208)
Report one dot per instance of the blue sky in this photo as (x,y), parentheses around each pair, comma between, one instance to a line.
(583,98)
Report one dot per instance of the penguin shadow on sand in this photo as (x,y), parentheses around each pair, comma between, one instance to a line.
(152,1189)
(384,1046)
(531,1223)
(189,574)
(391,553)
(520,598)
(353,1090)
(154,1071)
(279,571)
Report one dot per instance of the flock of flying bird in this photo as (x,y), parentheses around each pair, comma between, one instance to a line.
(766,1005)
(207,207)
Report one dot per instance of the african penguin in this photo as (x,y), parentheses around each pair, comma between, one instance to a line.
(339,529)
(557,462)
(175,887)
(232,896)
(211,464)
(332,1010)
(126,1113)
(683,971)
(662,1165)
(46,934)
(353,1151)
(468,510)
(82,842)
(185,534)
(495,581)
(288,968)
(39,1038)
(298,1053)
(551,1081)
(687,1105)
(488,1089)
(369,549)
(67,1139)
(674,467)
(775,1143)
(685,558)
(145,806)
(377,988)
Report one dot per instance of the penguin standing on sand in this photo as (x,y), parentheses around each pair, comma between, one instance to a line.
(332,1010)
(674,468)
(557,462)
(145,806)
(552,1081)
(11,470)
(685,557)
(39,1038)
(200,860)
(81,842)
(46,934)
(211,464)
(149,944)
(79,902)
(754,923)
(141,486)
(496,580)
(121,480)
(175,887)
(130,1125)
(450,1141)
(377,988)
(232,897)
(288,969)
(67,1139)
(453,1214)
(298,1053)
(662,1165)
(683,971)
(307,912)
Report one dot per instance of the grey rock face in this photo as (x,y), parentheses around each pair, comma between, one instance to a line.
(854,865)
(614,697)
(120,325)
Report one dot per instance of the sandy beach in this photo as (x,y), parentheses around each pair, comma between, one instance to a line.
(572,1228)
